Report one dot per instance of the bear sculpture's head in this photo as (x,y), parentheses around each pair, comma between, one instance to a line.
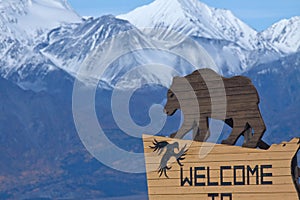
(172,104)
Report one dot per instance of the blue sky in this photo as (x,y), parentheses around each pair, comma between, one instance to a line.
(259,14)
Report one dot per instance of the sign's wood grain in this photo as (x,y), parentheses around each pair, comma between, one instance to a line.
(214,171)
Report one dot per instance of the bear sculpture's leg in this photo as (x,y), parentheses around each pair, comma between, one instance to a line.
(203,132)
(247,133)
(237,131)
(196,130)
(258,126)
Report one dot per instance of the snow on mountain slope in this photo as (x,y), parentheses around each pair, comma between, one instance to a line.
(233,59)
(24,25)
(234,46)
(88,44)
(197,19)
(285,34)
(34,16)
(70,44)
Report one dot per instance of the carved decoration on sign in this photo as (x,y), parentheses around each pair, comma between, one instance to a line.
(169,152)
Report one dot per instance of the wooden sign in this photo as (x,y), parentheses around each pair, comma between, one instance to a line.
(182,169)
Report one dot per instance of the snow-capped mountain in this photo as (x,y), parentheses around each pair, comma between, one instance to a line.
(33,17)
(285,35)
(75,42)
(233,44)
(69,45)
(192,17)
(24,25)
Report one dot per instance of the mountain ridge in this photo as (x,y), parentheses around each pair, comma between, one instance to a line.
(185,16)
(285,34)
(233,53)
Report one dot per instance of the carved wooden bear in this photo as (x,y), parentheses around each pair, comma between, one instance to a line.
(204,94)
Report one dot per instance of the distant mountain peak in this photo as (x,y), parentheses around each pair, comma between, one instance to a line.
(285,34)
(194,18)
(33,16)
